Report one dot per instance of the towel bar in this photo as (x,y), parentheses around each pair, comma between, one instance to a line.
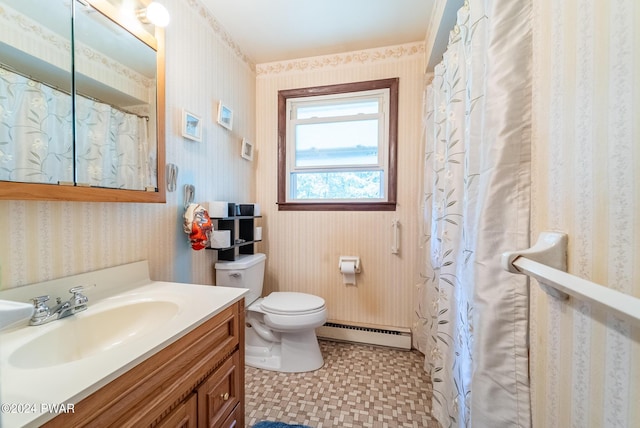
(546,261)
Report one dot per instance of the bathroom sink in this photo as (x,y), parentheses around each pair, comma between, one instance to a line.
(129,319)
(91,332)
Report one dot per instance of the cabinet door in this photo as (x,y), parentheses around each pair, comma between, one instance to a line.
(183,416)
(219,394)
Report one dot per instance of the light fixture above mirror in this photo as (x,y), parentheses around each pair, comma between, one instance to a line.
(155,14)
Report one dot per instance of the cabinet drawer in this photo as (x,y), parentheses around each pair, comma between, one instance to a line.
(220,394)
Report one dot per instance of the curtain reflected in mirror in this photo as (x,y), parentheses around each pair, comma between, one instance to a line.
(36,143)
(113,147)
(36,132)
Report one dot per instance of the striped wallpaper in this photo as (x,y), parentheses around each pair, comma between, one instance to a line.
(585,363)
(303,248)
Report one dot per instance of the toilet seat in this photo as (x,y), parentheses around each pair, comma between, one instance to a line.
(291,303)
(290,312)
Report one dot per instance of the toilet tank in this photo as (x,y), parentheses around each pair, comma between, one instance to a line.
(247,271)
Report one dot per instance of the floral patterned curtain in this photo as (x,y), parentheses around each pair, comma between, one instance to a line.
(112,149)
(472,317)
(36,133)
(36,138)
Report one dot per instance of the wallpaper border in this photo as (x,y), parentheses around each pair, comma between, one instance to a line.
(360,57)
(220,31)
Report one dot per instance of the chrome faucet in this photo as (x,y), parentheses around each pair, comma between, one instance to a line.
(44,314)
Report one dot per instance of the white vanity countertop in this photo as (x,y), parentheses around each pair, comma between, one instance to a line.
(26,388)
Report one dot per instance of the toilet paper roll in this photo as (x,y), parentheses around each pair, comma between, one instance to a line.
(348,270)
(221,239)
(218,209)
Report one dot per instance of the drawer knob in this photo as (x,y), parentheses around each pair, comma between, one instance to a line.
(224,396)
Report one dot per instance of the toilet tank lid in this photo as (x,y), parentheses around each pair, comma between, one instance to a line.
(243,261)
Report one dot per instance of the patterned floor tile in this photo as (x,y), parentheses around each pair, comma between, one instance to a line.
(358,386)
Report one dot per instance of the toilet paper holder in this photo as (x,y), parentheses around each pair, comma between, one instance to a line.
(354,259)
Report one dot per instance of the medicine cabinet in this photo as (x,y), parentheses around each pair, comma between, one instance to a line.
(81,102)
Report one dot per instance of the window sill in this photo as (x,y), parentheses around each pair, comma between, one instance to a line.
(336,206)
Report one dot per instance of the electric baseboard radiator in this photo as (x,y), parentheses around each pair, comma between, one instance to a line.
(392,337)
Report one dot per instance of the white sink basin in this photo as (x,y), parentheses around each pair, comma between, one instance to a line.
(91,332)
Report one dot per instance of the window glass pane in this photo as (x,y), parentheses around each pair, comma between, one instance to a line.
(337,185)
(337,143)
(350,108)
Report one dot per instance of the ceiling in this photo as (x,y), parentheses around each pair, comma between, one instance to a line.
(277,30)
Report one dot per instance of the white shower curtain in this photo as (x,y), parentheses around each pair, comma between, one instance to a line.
(472,317)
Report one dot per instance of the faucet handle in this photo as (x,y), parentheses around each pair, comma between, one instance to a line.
(80,300)
(77,289)
(40,301)
(41,310)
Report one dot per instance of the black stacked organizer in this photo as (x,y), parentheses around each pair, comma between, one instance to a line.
(241,222)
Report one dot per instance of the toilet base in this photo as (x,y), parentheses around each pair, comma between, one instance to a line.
(295,353)
(262,357)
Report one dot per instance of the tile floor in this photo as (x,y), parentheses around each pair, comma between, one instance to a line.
(358,386)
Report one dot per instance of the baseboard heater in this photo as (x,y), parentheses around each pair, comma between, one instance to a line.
(383,336)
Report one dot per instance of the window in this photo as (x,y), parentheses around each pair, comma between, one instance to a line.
(337,147)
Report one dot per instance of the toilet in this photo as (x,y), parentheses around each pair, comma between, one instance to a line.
(280,328)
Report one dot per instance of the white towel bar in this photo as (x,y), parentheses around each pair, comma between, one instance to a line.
(546,261)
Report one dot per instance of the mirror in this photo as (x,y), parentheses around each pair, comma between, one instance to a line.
(117,77)
(36,131)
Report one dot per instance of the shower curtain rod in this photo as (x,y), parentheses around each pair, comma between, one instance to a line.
(546,261)
(26,76)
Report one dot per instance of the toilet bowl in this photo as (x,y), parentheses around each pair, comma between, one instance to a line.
(280,328)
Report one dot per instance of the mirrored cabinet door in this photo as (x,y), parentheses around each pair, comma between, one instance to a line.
(115,84)
(36,128)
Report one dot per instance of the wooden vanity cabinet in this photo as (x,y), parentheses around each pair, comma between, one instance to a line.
(197,381)
(183,416)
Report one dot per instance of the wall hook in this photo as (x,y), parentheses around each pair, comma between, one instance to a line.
(189,194)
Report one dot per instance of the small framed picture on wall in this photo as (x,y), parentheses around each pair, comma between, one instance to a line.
(225,116)
(191,126)
(247,149)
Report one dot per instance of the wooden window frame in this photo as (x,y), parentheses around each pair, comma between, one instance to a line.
(392,168)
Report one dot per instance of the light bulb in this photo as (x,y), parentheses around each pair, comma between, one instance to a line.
(154,13)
